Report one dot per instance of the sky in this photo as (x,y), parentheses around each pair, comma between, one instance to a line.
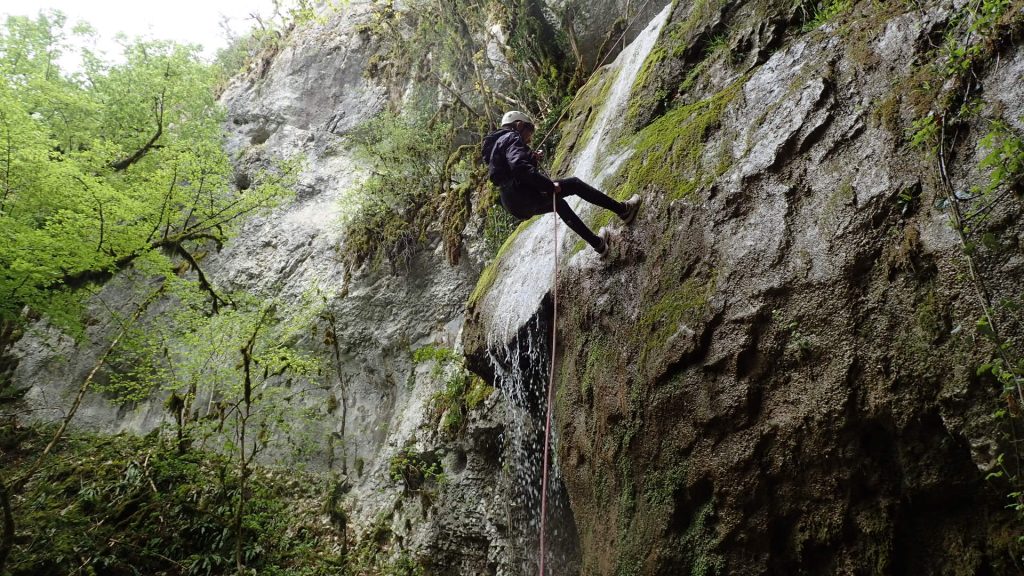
(184,21)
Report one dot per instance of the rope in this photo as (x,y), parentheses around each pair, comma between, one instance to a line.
(596,68)
(554,318)
(551,388)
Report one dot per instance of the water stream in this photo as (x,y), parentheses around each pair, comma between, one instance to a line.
(524,275)
(517,312)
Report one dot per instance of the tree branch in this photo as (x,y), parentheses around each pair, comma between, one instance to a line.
(203,282)
(454,93)
(99,204)
(978,281)
(83,277)
(166,203)
(123,164)
(7,166)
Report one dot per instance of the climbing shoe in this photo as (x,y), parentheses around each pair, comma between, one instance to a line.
(630,208)
(605,248)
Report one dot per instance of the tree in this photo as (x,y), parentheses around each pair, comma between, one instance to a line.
(104,166)
(117,167)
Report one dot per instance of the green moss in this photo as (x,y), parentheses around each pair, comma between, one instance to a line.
(649,89)
(598,220)
(596,354)
(661,486)
(591,99)
(680,36)
(490,272)
(699,542)
(683,304)
(842,196)
(645,98)
(691,77)
(668,153)
(928,318)
(595,103)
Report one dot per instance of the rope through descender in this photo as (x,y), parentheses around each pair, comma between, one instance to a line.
(551,387)
(554,320)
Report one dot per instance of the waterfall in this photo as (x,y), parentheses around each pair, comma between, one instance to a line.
(625,68)
(517,311)
(517,293)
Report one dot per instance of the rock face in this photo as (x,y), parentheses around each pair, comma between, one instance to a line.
(775,372)
(375,405)
(377,409)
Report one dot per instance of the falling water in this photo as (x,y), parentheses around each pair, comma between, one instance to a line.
(517,310)
(626,67)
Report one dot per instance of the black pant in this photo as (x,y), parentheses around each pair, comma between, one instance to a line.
(525,202)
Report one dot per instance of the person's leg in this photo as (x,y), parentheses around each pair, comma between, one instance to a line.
(573,222)
(524,204)
(576,187)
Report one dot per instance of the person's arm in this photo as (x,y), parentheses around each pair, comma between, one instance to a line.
(521,162)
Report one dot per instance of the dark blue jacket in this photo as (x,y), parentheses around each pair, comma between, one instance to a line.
(513,165)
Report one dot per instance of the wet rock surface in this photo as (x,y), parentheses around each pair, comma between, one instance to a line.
(300,101)
(776,373)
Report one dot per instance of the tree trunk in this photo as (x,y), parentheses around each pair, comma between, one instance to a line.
(7,534)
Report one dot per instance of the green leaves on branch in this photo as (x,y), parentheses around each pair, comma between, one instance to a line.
(462,392)
(103,166)
(1004,158)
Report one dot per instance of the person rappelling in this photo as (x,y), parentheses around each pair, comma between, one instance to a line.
(527,192)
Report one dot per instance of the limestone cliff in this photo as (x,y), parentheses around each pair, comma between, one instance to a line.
(779,369)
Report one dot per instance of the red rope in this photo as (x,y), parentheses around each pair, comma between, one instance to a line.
(551,388)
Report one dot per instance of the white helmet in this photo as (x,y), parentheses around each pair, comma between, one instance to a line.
(513,116)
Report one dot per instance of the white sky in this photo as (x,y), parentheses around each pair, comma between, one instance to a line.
(184,21)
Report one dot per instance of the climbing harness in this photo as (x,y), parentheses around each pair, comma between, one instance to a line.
(554,320)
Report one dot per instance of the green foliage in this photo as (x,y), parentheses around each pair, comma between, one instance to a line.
(251,51)
(499,224)
(682,33)
(438,354)
(404,565)
(924,133)
(827,12)
(799,343)
(388,216)
(972,38)
(102,168)
(1004,158)
(541,56)
(415,471)
(432,179)
(131,505)
(463,391)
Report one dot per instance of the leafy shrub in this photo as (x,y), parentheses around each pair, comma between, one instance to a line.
(415,470)
(463,391)
(134,505)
